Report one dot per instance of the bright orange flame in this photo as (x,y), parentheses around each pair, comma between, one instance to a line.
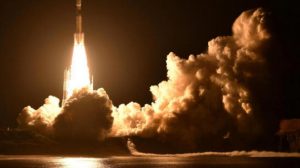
(78,76)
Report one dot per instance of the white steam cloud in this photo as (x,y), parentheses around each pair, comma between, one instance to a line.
(207,94)
(85,117)
(42,118)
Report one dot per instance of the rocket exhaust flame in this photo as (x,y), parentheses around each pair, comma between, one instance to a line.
(79,76)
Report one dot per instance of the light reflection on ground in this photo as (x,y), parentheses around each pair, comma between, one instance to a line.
(36,161)
(80,163)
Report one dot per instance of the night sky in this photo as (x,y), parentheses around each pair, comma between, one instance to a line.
(127,43)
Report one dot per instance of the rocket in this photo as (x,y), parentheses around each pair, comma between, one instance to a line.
(78,39)
(78,36)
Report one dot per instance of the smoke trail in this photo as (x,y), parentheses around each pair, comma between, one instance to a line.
(258,154)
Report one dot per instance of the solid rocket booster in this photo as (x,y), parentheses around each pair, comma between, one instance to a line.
(78,36)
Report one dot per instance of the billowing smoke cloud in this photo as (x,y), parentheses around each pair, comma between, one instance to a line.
(42,119)
(208,98)
(86,117)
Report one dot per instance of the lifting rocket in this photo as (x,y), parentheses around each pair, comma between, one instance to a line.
(77,77)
